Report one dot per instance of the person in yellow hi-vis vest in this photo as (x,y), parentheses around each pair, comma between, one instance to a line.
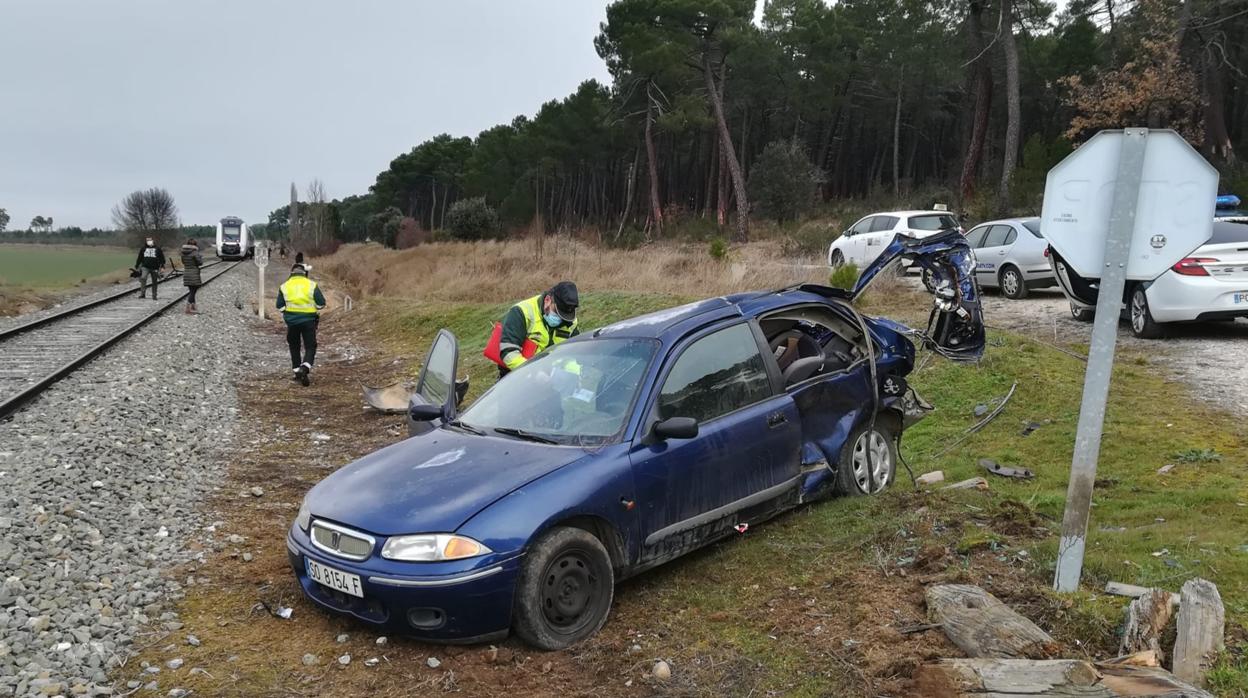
(301,301)
(536,323)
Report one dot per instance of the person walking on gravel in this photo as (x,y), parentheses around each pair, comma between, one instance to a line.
(192,260)
(301,301)
(149,263)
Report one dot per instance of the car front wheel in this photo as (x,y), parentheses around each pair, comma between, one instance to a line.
(838,259)
(565,588)
(1142,324)
(1012,284)
(868,459)
(1081,313)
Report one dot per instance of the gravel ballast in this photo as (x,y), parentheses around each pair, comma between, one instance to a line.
(100,483)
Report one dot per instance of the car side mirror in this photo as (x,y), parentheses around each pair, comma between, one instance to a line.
(676,428)
(425,413)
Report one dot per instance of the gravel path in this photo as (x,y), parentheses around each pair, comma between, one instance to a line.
(99,483)
(1207,357)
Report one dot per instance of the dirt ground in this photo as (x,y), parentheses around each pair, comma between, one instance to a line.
(1206,356)
(846,630)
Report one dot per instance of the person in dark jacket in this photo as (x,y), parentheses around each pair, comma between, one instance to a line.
(150,261)
(301,301)
(192,260)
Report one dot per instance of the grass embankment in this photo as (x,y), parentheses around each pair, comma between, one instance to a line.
(1147,528)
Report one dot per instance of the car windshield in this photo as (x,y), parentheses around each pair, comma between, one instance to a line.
(1033,227)
(941,221)
(579,393)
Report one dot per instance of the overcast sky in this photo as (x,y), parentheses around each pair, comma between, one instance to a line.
(226,102)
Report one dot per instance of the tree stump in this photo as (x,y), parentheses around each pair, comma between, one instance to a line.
(1201,625)
(981,626)
(1147,618)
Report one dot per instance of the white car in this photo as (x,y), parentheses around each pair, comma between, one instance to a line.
(866,239)
(1210,284)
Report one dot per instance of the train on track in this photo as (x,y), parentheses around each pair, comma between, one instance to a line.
(234,239)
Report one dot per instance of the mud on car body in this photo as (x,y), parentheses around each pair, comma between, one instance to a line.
(620,450)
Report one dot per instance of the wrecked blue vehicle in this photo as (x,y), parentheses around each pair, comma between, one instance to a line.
(621,450)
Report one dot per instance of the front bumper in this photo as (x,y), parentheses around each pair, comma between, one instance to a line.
(474,605)
(1177,298)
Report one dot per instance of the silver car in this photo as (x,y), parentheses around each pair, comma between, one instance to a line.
(1011,255)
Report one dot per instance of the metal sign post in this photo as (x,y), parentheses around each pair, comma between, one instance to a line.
(262,261)
(1100,361)
(1125,206)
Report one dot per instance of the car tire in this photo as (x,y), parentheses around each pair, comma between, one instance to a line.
(1012,284)
(838,259)
(851,466)
(564,590)
(1081,313)
(1142,324)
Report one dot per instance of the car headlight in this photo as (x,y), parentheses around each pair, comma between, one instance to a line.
(432,547)
(304,518)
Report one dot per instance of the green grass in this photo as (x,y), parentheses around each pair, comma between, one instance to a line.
(50,267)
(715,600)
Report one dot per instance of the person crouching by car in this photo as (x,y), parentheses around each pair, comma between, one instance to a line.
(150,261)
(301,301)
(192,260)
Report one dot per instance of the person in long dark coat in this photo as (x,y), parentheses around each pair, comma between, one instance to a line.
(192,260)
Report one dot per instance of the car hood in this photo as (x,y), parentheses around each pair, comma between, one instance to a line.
(432,483)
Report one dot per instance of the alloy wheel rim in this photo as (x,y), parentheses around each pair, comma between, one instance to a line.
(1010,282)
(569,587)
(881,461)
(1137,311)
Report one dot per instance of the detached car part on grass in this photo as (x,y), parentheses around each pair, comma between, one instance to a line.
(620,450)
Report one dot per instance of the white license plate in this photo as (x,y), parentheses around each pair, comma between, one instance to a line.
(337,580)
(1240,297)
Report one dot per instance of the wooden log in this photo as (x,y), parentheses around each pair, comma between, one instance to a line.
(1201,628)
(1120,589)
(1052,678)
(1147,618)
(1143,658)
(981,626)
(977,483)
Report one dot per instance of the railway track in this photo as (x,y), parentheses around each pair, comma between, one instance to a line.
(37,354)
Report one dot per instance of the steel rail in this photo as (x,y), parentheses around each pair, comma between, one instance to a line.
(14,331)
(11,405)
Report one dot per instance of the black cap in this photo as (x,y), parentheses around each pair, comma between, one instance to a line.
(566,299)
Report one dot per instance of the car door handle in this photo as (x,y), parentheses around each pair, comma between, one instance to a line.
(776,419)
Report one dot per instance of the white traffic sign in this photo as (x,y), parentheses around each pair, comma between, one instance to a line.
(1173,214)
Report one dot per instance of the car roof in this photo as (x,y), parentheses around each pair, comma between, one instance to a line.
(1023,219)
(908,213)
(675,322)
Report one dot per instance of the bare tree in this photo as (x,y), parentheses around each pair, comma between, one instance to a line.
(1013,109)
(317,212)
(145,213)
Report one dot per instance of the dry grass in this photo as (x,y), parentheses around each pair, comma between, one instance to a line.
(494,272)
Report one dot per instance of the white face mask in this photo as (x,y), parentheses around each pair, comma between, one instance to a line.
(151,244)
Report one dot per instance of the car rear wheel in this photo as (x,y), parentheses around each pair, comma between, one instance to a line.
(565,588)
(868,459)
(838,259)
(1142,324)
(1081,313)
(1012,284)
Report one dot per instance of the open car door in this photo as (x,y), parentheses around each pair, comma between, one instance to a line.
(956,324)
(437,384)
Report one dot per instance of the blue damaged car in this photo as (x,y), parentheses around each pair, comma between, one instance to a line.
(620,450)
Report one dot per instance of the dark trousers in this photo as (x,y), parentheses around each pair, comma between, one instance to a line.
(304,333)
(144,272)
(190,294)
